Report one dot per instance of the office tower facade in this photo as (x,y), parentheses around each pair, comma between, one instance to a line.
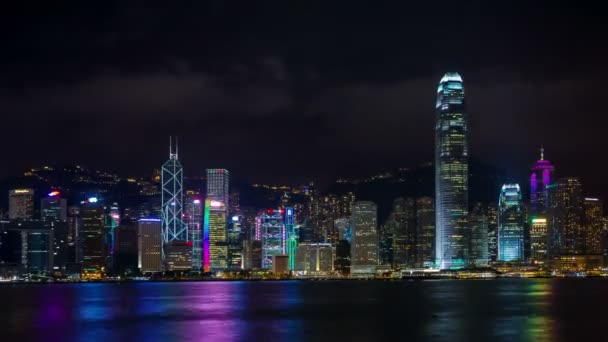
(28,246)
(215,248)
(193,218)
(492,216)
(234,238)
(21,204)
(342,262)
(74,236)
(593,215)
(149,245)
(425,232)
(451,173)
(280,264)
(126,249)
(112,221)
(172,196)
(403,219)
(478,244)
(538,239)
(292,236)
(314,257)
(364,246)
(274,235)
(93,241)
(218,186)
(53,215)
(53,208)
(566,216)
(511,224)
(540,177)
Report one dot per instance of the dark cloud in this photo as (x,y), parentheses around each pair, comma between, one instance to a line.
(278,91)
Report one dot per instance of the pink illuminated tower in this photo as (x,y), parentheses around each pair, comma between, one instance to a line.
(541,176)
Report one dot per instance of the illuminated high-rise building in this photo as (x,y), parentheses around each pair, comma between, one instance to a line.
(93,242)
(478,244)
(511,224)
(53,208)
(538,239)
(451,173)
(234,238)
(149,245)
(364,247)
(292,236)
(593,214)
(193,218)
(53,214)
(217,204)
(21,204)
(215,247)
(540,177)
(274,235)
(425,232)
(314,257)
(112,221)
(566,214)
(218,186)
(403,232)
(172,195)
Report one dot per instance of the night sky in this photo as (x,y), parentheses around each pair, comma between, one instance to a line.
(277,92)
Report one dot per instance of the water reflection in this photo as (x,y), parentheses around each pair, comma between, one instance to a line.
(496,310)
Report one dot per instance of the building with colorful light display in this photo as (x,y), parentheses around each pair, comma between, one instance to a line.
(215,248)
(292,236)
(540,177)
(273,234)
(511,224)
(451,173)
(172,196)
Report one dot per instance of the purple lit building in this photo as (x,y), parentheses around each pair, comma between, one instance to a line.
(541,176)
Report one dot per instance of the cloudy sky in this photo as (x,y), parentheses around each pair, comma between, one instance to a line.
(275,91)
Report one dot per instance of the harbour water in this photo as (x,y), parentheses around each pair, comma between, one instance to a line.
(429,310)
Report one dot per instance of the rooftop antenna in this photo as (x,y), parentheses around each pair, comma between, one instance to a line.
(542,152)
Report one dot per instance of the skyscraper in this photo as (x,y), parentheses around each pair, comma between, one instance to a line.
(425,232)
(172,193)
(478,245)
(54,208)
(403,219)
(217,204)
(511,224)
(451,173)
(540,177)
(93,246)
(274,236)
(193,218)
(593,212)
(538,239)
(215,247)
(292,236)
(149,245)
(364,246)
(21,204)
(566,217)
(218,186)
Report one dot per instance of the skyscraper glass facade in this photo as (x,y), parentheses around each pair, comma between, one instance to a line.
(451,173)
(511,223)
(540,177)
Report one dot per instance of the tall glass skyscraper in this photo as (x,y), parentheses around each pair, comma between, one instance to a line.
(172,198)
(511,221)
(451,173)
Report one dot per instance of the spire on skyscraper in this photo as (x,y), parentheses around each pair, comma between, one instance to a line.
(542,152)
